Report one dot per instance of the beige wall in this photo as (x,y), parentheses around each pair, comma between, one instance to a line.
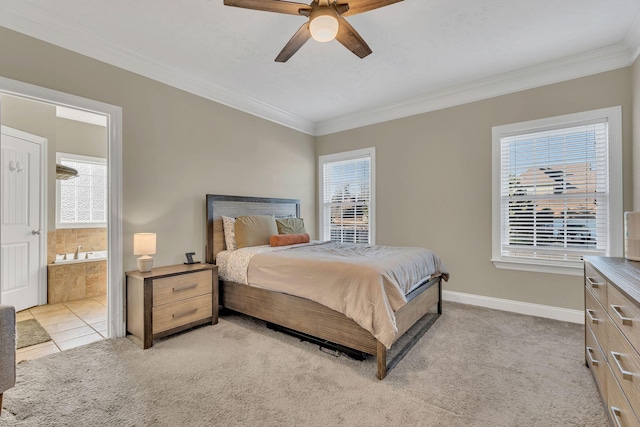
(177,147)
(433,179)
(39,119)
(635,72)
(81,138)
(433,170)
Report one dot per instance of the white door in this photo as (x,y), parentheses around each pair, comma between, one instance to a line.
(22,265)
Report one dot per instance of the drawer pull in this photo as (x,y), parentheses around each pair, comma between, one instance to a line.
(616,412)
(625,320)
(593,361)
(593,319)
(625,374)
(184,313)
(184,288)
(593,283)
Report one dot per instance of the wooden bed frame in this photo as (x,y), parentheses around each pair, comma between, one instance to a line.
(304,315)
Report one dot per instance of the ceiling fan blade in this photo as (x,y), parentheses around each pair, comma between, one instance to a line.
(299,38)
(278,6)
(350,39)
(360,6)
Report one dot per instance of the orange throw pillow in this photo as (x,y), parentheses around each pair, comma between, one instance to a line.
(288,239)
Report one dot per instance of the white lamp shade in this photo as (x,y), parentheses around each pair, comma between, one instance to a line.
(324,28)
(144,243)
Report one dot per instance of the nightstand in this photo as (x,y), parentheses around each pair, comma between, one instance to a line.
(170,299)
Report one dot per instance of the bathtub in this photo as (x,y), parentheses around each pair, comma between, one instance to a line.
(82,257)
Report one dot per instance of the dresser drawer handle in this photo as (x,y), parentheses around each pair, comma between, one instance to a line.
(625,320)
(593,283)
(184,288)
(593,319)
(616,412)
(593,361)
(184,313)
(625,374)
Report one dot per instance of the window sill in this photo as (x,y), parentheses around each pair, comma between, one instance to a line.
(540,267)
(82,225)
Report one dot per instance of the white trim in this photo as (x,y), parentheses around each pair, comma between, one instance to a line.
(348,155)
(49,28)
(615,214)
(530,309)
(115,291)
(632,39)
(573,67)
(46,26)
(44,185)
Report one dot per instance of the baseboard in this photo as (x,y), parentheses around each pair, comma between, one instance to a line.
(539,310)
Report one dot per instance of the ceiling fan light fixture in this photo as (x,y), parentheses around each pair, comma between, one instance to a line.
(324,25)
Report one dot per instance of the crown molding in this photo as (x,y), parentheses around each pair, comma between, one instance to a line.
(632,39)
(47,27)
(593,62)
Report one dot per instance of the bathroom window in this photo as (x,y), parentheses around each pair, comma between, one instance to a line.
(81,202)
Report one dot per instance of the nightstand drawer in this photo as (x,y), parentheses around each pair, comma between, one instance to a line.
(181,313)
(170,299)
(596,283)
(176,288)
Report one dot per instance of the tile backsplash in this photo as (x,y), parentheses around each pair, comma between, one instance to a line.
(66,240)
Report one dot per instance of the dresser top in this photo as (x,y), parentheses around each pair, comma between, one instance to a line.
(171,270)
(622,273)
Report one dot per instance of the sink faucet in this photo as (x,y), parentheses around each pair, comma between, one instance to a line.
(75,256)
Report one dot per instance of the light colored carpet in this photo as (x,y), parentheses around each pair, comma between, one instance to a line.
(474,367)
(30,332)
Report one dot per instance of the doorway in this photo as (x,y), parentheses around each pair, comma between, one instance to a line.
(114,299)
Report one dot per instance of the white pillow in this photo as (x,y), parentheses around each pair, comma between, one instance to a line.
(229,227)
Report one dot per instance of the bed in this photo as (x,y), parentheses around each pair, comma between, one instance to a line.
(307,316)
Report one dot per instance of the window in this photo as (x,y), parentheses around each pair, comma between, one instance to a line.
(347,196)
(557,191)
(82,201)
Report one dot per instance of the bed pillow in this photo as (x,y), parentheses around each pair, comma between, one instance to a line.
(254,230)
(229,227)
(290,226)
(288,239)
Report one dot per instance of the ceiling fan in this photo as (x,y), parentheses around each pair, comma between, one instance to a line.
(325,22)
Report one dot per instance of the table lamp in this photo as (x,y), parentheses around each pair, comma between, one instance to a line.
(144,244)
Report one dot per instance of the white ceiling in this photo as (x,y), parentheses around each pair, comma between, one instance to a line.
(427,54)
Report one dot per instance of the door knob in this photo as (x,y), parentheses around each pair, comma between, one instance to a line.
(34,232)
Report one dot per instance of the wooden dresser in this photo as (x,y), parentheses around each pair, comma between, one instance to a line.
(612,334)
(170,299)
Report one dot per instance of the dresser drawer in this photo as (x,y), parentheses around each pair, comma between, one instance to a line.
(176,288)
(626,315)
(595,316)
(595,283)
(181,313)
(625,364)
(618,406)
(596,361)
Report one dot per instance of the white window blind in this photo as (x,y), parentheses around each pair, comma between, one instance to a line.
(346,208)
(555,203)
(554,193)
(82,201)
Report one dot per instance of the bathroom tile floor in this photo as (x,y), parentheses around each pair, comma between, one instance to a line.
(70,324)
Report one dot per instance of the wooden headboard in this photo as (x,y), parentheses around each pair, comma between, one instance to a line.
(234,206)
